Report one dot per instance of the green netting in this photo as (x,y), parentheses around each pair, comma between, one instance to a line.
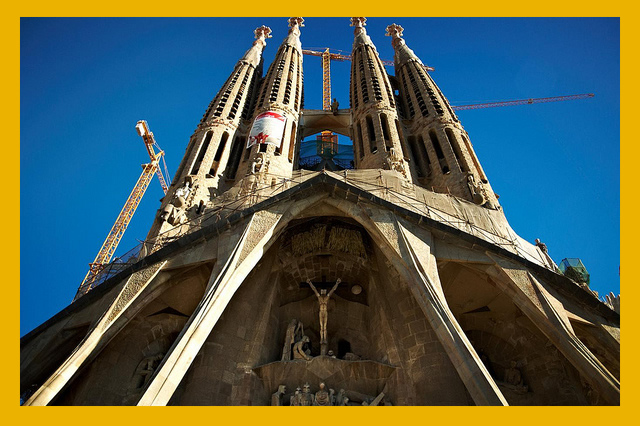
(574,268)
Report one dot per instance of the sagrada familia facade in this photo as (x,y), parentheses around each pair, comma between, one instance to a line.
(397,282)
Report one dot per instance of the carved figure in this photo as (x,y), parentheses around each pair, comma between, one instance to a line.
(293,333)
(298,349)
(477,190)
(296,398)
(145,370)
(172,214)
(334,106)
(395,162)
(260,164)
(322,396)
(512,375)
(340,398)
(323,301)
(542,245)
(350,356)
(307,396)
(276,398)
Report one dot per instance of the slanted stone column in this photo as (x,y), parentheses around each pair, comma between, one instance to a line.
(547,313)
(106,327)
(225,280)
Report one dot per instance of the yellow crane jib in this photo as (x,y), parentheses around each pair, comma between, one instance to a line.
(120,226)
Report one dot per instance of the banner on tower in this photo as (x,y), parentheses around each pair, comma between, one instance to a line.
(268,128)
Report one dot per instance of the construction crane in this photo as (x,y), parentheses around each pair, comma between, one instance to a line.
(327,57)
(120,226)
(523,102)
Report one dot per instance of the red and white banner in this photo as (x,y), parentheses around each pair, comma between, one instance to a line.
(267,128)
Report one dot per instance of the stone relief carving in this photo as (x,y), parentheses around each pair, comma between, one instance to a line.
(478,192)
(395,162)
(299,352)
(294,333)
(277,397)
(144,371)
(513,379)
(340,239)
(326,397)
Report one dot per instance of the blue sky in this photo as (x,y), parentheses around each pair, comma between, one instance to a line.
(86,82)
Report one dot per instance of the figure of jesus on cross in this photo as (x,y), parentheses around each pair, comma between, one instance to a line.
(323,301)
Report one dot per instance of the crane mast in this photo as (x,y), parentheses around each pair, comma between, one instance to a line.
(122,222)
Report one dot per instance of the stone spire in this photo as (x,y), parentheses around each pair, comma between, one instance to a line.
(293,38)
(214,150)
(442,156)
(377,133)
(271,145)
(253,56)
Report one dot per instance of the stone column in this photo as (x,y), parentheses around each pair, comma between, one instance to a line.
(548,315)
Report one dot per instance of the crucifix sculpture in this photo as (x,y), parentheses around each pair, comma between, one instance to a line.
(323,301)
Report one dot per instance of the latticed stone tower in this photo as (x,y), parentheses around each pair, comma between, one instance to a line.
(376,129)
(399,282)
(443,158)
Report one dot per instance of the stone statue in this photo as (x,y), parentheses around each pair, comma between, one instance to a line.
(340,398)
(276,398)
(512,375)
(350,356)
(542,245)
(260,163)
(294,332)
(322,397)
(298,349)
(323,301)
(477,190)
(307,396)
(145,370)
(334,106)
(296,398)
(395,162)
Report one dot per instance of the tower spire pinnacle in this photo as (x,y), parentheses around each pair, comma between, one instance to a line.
(360,33)
(254,54)
(293,38)
(402,52)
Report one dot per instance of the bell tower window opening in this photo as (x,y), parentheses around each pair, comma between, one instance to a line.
(456,150)
(439,154)
(371,133)
(360,141)
(216,159)
(201,153)
(292,141)
(234,157)
(385,131)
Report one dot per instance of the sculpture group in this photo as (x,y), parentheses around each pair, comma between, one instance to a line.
(323,397)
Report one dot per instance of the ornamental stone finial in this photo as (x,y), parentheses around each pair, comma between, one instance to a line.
(296,22)
(359,22)
(394,30)
(262,32)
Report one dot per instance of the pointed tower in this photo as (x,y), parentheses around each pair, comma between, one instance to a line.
(357,286)
(377,134)
(214,149)
(270,148)
(443,158)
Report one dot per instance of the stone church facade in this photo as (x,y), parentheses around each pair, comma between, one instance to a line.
(399,282)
